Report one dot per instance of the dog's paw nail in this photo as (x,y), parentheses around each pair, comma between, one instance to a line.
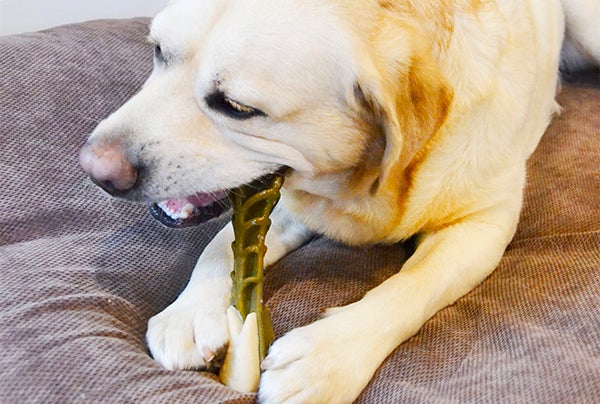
(214,359)
(208,355)
(267,363)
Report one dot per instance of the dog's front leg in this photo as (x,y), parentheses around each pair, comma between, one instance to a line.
(193,330)
(333,359)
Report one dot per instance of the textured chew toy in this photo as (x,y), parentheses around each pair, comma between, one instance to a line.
(252,204)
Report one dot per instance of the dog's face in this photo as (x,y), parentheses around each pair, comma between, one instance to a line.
(241,88)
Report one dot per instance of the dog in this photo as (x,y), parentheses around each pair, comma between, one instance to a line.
(394,119)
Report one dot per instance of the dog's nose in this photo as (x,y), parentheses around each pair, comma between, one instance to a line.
(108,166)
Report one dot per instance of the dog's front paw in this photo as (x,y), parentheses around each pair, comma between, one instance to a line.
(192,333)
(324,362)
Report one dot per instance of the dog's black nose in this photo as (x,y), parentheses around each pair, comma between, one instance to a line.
(108,166)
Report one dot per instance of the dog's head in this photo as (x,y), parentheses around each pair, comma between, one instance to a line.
(242,88)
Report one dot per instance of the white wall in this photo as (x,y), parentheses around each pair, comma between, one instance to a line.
(18,16)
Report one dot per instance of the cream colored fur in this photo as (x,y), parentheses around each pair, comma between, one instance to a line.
(397,118)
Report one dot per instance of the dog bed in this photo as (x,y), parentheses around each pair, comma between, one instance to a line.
(81,273)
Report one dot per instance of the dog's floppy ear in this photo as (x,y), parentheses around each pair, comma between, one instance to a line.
(408,100)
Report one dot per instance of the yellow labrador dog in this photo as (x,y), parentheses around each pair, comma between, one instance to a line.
(394,118)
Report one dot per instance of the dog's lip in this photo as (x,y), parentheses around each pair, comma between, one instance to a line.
(200,207)
(190,211)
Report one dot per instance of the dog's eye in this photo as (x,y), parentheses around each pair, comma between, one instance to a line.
(232,108)
(242,109)
(159,55)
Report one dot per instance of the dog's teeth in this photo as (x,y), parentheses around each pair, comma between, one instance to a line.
(186,211)
(182,213)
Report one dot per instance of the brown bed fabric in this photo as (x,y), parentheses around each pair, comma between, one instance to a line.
(81,273)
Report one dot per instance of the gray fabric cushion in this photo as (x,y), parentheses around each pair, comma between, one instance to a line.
(81,273)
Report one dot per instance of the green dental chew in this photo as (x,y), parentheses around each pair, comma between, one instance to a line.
(252,204)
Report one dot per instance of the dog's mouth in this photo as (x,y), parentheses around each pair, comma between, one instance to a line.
(201,207)
(191,210)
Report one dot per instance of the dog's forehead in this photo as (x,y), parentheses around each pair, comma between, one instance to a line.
(182,22)
(274,37)
(288,45)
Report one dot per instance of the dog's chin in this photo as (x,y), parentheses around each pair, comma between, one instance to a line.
(192,210)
